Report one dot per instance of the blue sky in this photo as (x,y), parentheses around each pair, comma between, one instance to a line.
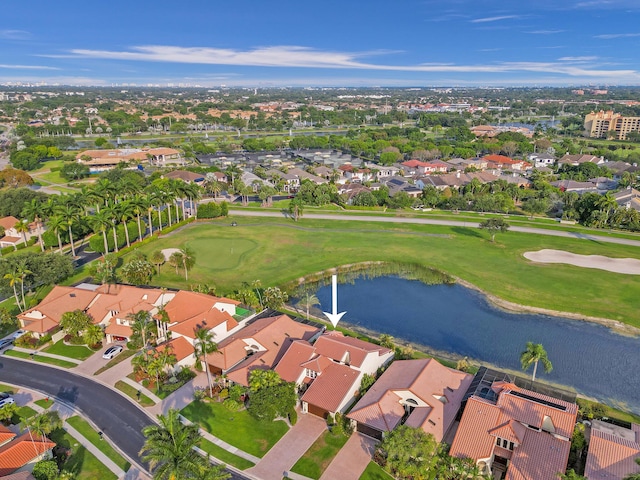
(322,43)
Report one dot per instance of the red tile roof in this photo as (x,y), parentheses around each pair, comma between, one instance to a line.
(180,347)
(335,384)
(541,456)
(612,451)
(471,439)
(22,450)
(6,435)
(207,319)
(290,366)
(336,346)
(8,222)
(501,159)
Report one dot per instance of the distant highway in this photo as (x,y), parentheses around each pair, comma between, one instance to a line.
(433,221)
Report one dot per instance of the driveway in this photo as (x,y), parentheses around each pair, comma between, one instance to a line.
(290,448)
(94,363)
(352,459)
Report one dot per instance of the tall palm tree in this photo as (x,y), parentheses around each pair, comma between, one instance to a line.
(533,354)
(188,259)
(111,212)
(57,223)
(101,222)
(104,190)
(125,213)
(35,212)
(14,278)
(70,216)
(181,190)
(308,300)
(23,272)
(45,423)
(203,345)
(22,226)
(138,207)
(169,448)
(142,323)
(194,193)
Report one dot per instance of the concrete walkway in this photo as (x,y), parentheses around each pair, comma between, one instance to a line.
(284,454)
(115,373)
(142,389)
(38,353)
(352,459)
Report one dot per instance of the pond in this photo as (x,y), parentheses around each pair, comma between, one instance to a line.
(587,357)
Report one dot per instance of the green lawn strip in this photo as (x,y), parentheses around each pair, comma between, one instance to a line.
(90,434)
(316,460)
(225,456)
(236,428)
(116,360)
(375,472)
(265,249)
(132,392)
(78,352)
(44,403)
(40,358)
(24,413)
(81,462)
(7,388)
(611,412)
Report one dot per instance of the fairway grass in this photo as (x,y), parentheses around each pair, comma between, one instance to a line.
(278,251)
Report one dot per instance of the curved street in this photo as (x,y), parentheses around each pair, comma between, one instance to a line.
(432,221)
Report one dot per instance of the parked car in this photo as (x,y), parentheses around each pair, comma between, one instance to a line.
(5,399)
(18,334)
(5,342)
(111,352)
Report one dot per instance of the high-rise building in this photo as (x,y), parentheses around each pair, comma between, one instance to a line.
(599,124)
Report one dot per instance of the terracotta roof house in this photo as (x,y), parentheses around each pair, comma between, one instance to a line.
(11,236)
(425,168)
(186,176)
(101,160)
(260,344)
(523,435)
(355,174)
(333,368)
(502,162)
(628,198)
(419,393)
(575,186)
(182,349)
(21,453)
(612,451)
(579,158)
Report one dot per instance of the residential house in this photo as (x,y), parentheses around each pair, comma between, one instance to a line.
(350,190)
(254,181)
(290,180)
(628,198)
(505,163)
(454,180)
(12,238)
(575,186)
(399,184)
(613,451)
(186,176)
(619,167)
(354,174)
(183,351)
(425,168)
(259,345)
(332,368)
(516,434)
(576,160)
(464,163)
(19,453)
(304,175)
(382,172)
(418,393)
(101,160)
(541,159)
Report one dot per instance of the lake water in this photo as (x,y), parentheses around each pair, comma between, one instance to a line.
(451,318)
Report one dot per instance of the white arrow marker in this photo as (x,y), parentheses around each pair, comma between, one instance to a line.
(334,317)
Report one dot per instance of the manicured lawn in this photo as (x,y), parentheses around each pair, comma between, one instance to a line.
(90,434)
(78,352)
(81,462)
(236,428)
(132,392)
(225,456)
(44,403)
(40,358)
(116,360)
(375,472)
(7,388)
(23,414)
(276,251)
(316,460)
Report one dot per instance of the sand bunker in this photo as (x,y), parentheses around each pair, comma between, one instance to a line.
(167,252)
(629,266)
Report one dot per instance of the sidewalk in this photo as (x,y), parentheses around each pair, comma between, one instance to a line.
(38,353)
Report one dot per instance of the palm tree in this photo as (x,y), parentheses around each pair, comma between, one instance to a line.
(104,191)
(188,259)
(112,213)
(35,212)
(169,448)
(93,335)
(194,193)
(141,323)
(100,222)
(157,258)
(308,300)
(22,226)
(45,423)
(22,272)
(182,191)
(203,345)
(138,206)
(125,213)
(56,223)
(13,279)
(70,216)
(533,354)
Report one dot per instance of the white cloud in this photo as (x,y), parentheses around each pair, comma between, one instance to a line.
(304,57)
(609,36)
(495,19)
(577,59)
(27,67)
(15,34)
(545,32)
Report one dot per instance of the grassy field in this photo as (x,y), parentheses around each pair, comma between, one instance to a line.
(316,460)
(77,352)
(375,472)
(90,434)
(80,461)
(277,251)
(40,358)
(132,392)
(225,456)
(236,428)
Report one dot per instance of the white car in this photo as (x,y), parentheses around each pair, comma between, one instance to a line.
(18,334)
(5,399)
(111,352)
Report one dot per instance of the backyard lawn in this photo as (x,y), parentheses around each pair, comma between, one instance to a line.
(80,462)
(78,352)
(316,460)
(375,472)
(277,251)
(236,428)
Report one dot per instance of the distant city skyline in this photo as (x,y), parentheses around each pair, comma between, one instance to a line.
(330,43)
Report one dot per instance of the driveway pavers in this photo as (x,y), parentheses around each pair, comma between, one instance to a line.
(352,459)
(289,448)
(94,363)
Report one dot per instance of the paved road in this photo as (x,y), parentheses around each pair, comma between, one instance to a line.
(121,420)
(433,221)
